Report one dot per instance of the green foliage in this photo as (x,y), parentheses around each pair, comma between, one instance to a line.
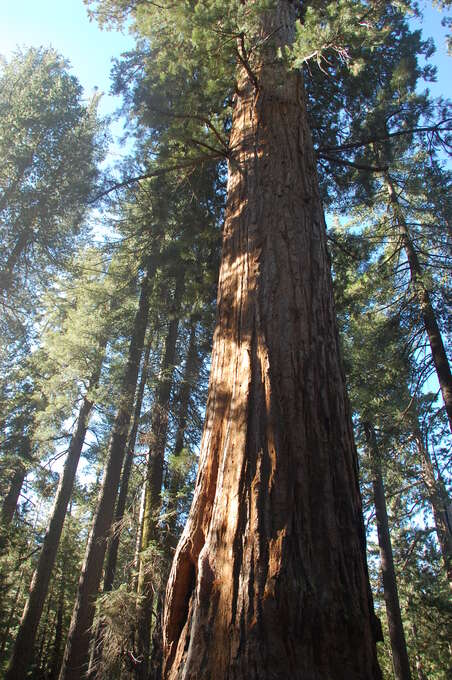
(115,612)
(50,146)
(338,27)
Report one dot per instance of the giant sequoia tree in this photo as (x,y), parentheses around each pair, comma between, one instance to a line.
(269,578)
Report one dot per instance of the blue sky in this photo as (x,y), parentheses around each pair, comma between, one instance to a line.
(64,24)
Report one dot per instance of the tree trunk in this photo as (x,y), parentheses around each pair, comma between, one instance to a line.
(437,349)
(58,639)
(136,557)
(6,274)
(112,553)
(419,667)
(12,497)
(154,480)
(45,628)
(400,659)
(270,578)
(191,372)
(24,643)
(441,506)
(6,626)
(77,647)
(10,502)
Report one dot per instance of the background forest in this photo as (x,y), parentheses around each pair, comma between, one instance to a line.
(108,290)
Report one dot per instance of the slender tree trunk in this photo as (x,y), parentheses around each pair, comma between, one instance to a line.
(400,659)
(154,479)
(191,372)
(24,644)
(77,647)
(136,559)
(6,274)
(269,579)
(12,497)
(419,667)
(45,626)
(6,628)
(58,639)
(10,502)
(441,506)
(437,348)
(112,553)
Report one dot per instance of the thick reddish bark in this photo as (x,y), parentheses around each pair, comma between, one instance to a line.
(400,659)
(269,578)
(77,647)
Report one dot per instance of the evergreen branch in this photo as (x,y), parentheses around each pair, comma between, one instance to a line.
(398,133)
(243,58)
(195,116)
(218,152)
(339,245)
(27,557)
(351,164)
(149,175)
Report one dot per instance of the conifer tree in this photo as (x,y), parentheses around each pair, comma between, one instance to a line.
(85,306)
(269,309)
(50,145)
(76,653)
(381,377)
(154,475)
